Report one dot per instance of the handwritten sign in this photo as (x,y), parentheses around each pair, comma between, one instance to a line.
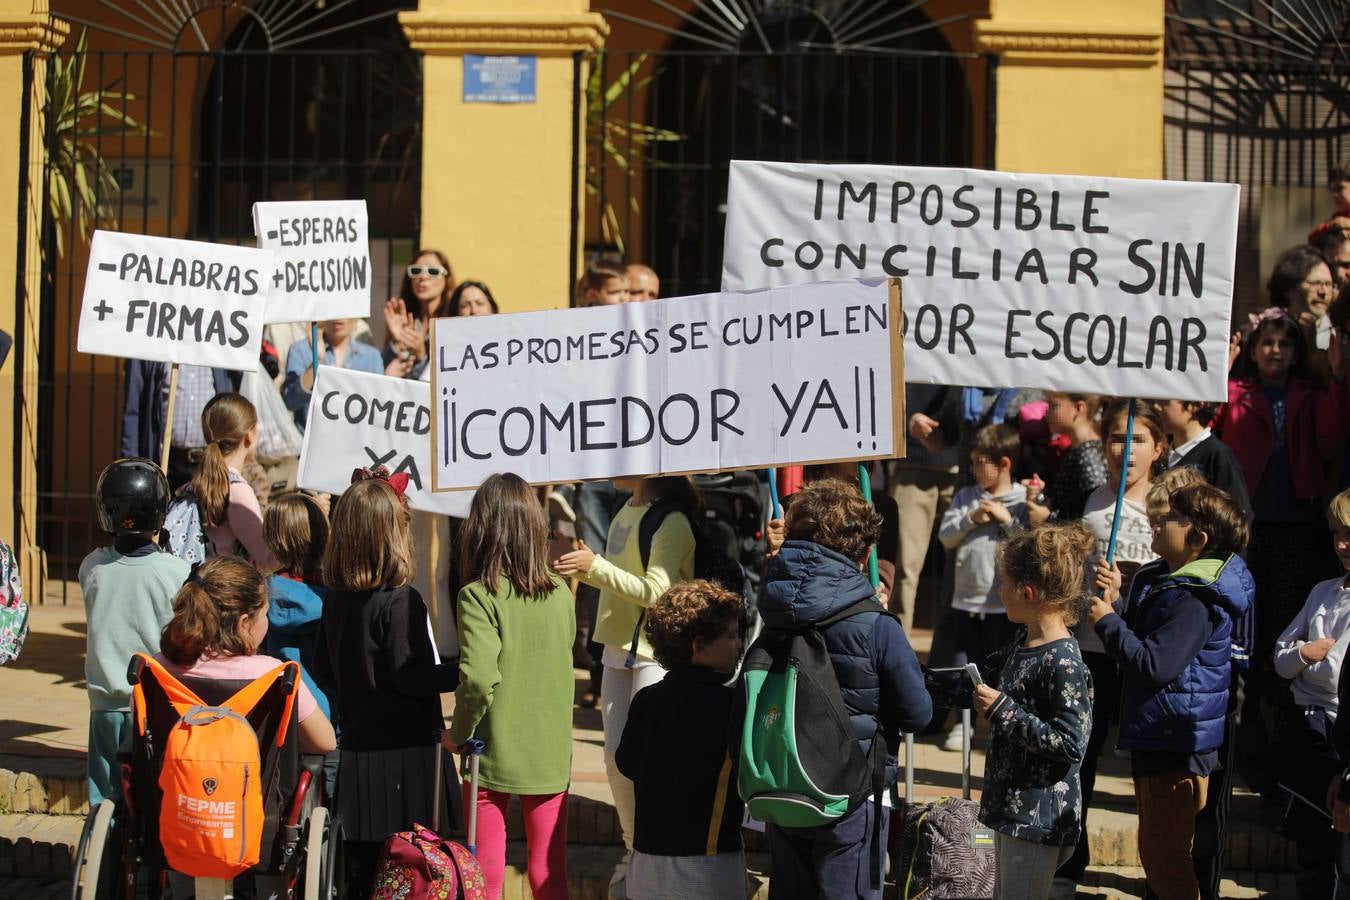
(361,420)
(174,301)
(688,384)
(1104,285)
(322,252)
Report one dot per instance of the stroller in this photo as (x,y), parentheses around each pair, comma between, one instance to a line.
(119,851)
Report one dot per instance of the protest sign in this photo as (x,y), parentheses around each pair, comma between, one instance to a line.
(322,252)
(174,301)
(802,374)
(1102,285)
(361,420)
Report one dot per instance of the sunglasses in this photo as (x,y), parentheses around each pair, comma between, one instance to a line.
(432,271)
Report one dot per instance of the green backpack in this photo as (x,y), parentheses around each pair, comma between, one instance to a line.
(800,764)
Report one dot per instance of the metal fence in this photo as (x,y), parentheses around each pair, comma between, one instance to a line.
(181,144)
(1258,93)
(663,125)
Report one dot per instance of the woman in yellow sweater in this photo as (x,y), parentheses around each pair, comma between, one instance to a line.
(627,588)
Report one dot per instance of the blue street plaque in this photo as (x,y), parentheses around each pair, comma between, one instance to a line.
(499,79)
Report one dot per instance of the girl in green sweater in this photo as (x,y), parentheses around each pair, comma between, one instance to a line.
(516,625)
(630,581)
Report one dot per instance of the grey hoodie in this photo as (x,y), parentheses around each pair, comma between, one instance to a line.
(976,584)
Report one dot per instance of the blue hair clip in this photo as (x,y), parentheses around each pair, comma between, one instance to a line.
(194,578)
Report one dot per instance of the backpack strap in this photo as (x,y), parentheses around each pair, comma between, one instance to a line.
(877,752)
(250,694)
(651,523)
(857,609)
(180,695)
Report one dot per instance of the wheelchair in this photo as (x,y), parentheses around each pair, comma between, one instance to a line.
(119,855)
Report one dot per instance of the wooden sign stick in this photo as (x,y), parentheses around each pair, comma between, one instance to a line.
(168,417)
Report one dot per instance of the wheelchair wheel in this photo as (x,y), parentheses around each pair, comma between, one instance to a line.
(95,876)
(319,877)
(334,877)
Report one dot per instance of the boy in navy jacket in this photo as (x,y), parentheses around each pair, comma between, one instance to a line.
(1174,645)
(818,572)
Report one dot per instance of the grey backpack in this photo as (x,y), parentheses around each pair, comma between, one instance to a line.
(941,852)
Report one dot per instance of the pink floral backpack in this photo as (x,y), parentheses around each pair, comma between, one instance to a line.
(421,865)
(13,608)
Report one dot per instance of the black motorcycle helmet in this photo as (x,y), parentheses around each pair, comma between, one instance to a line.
(133,497)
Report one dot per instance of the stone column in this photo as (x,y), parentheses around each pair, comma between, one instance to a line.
(1079,87)
(502,183)
(28,35)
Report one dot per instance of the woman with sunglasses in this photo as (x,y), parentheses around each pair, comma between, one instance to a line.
(425,294)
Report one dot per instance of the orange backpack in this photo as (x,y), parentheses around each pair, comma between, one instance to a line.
(211,816)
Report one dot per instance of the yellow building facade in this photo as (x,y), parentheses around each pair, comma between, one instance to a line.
(503,188)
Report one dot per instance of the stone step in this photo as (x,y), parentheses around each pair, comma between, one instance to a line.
(43,784)
(36,845)
(589,877)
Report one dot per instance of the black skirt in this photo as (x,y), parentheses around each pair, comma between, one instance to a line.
(382,792)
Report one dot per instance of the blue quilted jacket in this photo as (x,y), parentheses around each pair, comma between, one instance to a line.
(1187,714)
(878,673)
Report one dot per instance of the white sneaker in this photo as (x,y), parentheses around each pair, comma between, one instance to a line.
(953,741)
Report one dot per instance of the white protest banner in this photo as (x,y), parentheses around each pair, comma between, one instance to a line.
(174,301)
(803,374)
(361,420)
(1102,285)
(322,250)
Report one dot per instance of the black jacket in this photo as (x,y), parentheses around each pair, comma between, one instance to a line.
(674,748)
(374,658)
(146,405)
(1213,459)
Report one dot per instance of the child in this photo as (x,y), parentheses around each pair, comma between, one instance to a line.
(218,625)
(516,623)
(1082,469)
(1211,823)
(296,532)
(980,515)
(231,516)
(376,659)
(627,588)
(687,842)
(1191,445)
(602,284)
(128,598)
(1174,647)
(886,506)
(819,572)
(1039,703)
(1311,652)
(1132,550)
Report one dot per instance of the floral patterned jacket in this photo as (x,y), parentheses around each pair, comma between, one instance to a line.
(1040,728)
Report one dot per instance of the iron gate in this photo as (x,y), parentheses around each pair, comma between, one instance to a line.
(180,141)
(1258,93)
(869,81)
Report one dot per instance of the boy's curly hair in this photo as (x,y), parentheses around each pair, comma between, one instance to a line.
(690,610)
(832,512)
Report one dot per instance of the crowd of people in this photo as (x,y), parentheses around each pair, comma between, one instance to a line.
(1208,623)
